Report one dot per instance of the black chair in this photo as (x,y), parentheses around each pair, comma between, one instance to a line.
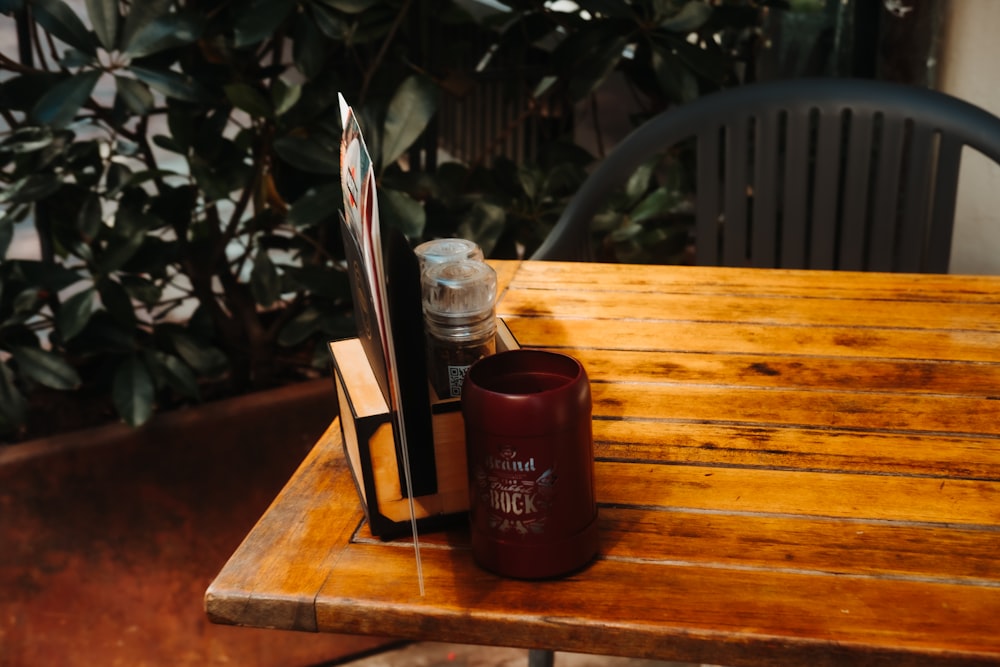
(809,173)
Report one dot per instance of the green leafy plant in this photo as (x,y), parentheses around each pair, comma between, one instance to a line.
(179,161)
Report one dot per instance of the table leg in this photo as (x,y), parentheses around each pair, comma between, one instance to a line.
(541,658)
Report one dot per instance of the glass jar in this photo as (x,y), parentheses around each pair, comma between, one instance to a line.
(459,320)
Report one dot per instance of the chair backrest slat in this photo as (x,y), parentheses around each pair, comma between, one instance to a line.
(943,211)
(707,206)
(794,236)
(764,228)
(854,219)
(885,211)
(734,222)
(915,198)
(826,199)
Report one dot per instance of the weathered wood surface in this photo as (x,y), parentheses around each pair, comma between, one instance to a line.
(792,468)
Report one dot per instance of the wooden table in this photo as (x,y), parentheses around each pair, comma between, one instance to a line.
(792,468)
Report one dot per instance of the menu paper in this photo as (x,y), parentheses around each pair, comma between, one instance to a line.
(363,245)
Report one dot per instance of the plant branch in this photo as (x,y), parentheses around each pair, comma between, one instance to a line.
(13,66)
(233,225)
(370,72)
(285,316)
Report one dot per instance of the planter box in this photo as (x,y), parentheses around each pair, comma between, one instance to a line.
(109,536)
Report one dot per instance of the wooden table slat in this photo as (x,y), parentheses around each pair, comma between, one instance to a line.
(738,309)
(787,447)
(672,601)
(760,339)
(884,497)
(556,276)
(904,376)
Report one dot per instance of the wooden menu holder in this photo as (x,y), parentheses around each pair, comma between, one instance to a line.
(375,461)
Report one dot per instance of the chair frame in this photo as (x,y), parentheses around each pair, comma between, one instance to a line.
(868,137)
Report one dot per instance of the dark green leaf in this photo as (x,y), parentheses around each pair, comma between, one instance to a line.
(249,99)
(117,302)
(284,96)
(410,109)
(166,368)
(707,60)
(153,257)
(530,177)
(372,26)
(13,407)
(205,358)
(6,233)
(141,14)
(523,33)
(659,202)
(543,85)
(145,291)
(319,280)
(676,80)
(118,177)
(260,20)
(20,93)
(58,107)
(200,325)
(331,24)
(57,18)
(132,391)
(692,16)
(315,206)
(45,367)
(27,303)
(164,32)
(300,327)
(592,70)
(11,6)
(118,251)
(27,140)
(132,220)
(104,17)
(74,313)
(181,124)
(483,224)
(170,83)
(74,59)
(265,284)
(309,49)
(638,183)
(308,155)
(626,233)
(615,8)
(52,278)
(135,94)
(350,6)
(88,221)
(400,210)
(31,188)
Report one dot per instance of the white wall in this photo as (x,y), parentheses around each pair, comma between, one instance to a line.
(969,69)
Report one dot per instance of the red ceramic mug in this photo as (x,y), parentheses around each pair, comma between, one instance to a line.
(530,453)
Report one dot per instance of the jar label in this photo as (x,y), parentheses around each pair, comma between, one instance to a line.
(517,492)
(456,376)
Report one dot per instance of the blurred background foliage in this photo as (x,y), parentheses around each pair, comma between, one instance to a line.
(178,161)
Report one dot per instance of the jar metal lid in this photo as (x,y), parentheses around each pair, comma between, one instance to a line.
(439,251)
